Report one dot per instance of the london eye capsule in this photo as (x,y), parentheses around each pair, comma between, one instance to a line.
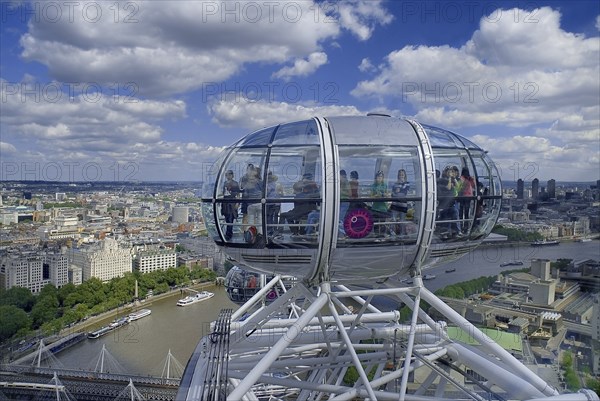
(350,199)
(241,285)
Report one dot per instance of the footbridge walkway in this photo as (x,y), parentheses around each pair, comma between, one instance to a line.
(22,382)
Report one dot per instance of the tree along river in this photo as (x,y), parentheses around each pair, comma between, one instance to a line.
(142,346)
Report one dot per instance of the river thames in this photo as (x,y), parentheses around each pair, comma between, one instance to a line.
(142,346)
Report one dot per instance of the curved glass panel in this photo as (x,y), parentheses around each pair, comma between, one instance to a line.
(240,189)
(290,165)
(210,174)
(441,138)
(380,196)
(372,130)
(299,133)
(487,205)
(247,166)
(274,190)
(467,143)
(209,221)
(262,137)
(494,175)
(293,195)
(456,194)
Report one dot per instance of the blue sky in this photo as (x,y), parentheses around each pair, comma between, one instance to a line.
(152,90)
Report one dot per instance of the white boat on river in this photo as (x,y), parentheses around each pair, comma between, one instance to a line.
(139,314)
(192,299)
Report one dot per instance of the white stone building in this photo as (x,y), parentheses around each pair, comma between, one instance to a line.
(104,260)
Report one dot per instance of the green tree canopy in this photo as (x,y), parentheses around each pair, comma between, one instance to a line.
(44,310)
(593,384)
(466,288)
(516,235)
(49,290)
(561,263)
(51,205)
(12,320)
(65,291)
(20,297)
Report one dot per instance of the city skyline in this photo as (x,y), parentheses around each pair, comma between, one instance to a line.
(153,91)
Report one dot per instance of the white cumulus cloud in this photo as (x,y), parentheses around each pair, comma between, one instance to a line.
(361,16)
(6,147)
(166,48)
(258,114)
(496,69)
(301,67)
(366,65)
(80,129)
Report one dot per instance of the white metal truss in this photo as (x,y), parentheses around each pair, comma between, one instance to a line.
(332,343)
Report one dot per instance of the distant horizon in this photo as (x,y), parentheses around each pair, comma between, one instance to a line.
(50,182)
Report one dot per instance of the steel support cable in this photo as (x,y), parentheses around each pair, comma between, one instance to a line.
(215,378)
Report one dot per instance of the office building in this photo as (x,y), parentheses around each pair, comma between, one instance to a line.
(520,188)
(24,271)
(8,217)
(542,292)
(552,189)
(63,227)
(540,268)
(55,267)
(535,188)
(33,271)
(149,260)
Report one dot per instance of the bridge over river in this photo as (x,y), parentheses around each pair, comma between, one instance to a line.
(19,382)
